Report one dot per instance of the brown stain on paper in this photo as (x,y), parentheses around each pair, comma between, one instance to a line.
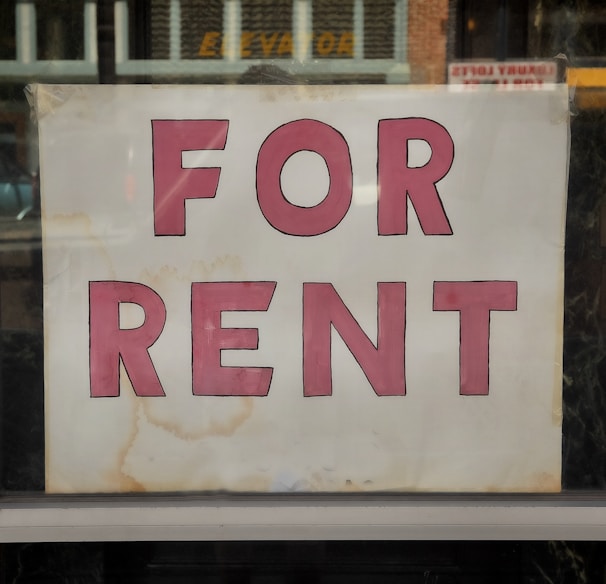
(126,483)
(543,482)
(539,482)
(160,281)
(73,229)
(119,477)
(214,427)
(198,271)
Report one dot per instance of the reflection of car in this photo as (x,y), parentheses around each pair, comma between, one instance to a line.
(17,190)
(20,229)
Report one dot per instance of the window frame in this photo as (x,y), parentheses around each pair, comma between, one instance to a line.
(40,517)
(567,516)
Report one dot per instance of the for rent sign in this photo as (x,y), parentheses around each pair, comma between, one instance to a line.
(321,289)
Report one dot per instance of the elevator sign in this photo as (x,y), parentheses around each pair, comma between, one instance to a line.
(317,289)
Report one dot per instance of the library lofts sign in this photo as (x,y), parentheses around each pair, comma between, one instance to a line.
(318,289)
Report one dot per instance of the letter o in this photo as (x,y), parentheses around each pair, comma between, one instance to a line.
(325,43)
(277,148)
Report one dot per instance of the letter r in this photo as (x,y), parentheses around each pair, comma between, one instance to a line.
(397,181)
(109,343)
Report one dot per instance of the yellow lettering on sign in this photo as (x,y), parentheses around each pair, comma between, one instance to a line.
(208,46)
(245,41)
(215,44)
(346,44)
(285,46)
(267,44)
(325,43)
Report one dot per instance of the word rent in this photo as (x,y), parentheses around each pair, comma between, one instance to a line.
(383,361)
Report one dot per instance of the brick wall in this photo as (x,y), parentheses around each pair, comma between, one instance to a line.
(427,29)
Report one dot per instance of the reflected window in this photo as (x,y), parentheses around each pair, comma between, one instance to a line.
(60,29)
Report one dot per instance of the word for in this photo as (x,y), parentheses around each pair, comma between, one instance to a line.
(396,181)
(383,363)
(278,44)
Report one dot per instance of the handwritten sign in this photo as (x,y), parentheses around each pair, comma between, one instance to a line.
(320,289)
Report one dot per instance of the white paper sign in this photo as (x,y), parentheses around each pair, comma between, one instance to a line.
(321,289)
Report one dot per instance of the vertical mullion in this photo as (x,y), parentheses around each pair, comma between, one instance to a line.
(121,30)
(232,29)
(400,33)
(25,26)
(175,30)
(302,28)
(90,31)
(358,32)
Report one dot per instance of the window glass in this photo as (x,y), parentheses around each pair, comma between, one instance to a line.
(59,25)
(201,29)
(379,29)
(8,48)
(348,41)
(403,42)
(266,29)
(333,26)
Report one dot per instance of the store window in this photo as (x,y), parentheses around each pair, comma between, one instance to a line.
(175,38)
(298,42)
(193,38)
(266,30)
(202,30)
(60,30)
(379,33)
(8,48)
(333,29)
(494,31)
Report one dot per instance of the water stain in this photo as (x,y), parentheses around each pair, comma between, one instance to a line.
(539,482)
(118,477)
(307,93)
(198,271)
(70,230)
(543,482)
(227,425)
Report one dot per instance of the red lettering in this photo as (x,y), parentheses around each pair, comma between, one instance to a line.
(109,343)
(383,365)
(173,184)
(397,180)
(208,301)
(278,147)
(474,301)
